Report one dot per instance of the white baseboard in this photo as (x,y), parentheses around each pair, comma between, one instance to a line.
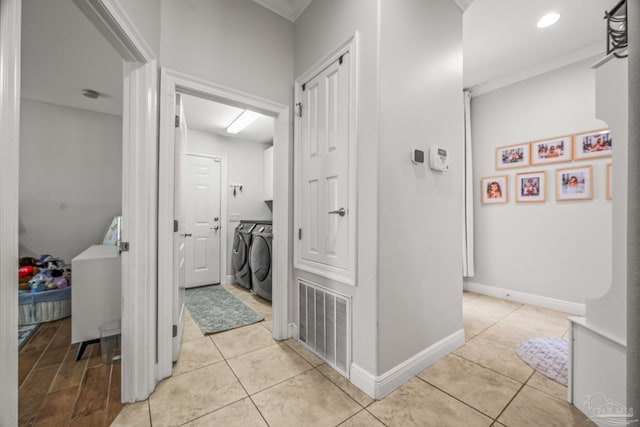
(293,331)
(378,387)
(229,279)
(525,298)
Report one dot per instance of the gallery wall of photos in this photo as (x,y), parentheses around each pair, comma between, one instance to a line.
(571,182)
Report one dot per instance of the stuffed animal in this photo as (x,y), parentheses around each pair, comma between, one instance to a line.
(25,261)
(24,271)
(37,284)
(60,282)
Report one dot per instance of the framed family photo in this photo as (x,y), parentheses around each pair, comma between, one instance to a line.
(512,156)
(494,189)
(552,150)
(530,187)
(574,183)
(596,143)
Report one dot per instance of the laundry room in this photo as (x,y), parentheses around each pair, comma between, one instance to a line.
(227,199)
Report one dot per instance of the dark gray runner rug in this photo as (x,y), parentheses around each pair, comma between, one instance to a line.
(214,309)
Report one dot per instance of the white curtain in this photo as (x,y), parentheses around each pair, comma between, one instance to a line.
(468,269)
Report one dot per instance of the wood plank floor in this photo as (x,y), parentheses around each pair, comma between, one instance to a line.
(57,391)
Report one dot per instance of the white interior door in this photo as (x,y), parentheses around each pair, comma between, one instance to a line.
(180,234)
(203,220)
(324,168)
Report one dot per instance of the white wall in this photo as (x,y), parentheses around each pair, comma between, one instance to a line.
(145,14)
(236,43)
(322,27)
(245,166)
(559,250)
(420,247)
(70,178)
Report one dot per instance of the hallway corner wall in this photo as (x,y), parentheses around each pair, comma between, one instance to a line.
(557,250)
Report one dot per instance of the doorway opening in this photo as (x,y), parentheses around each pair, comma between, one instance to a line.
(244,199)
(71,192)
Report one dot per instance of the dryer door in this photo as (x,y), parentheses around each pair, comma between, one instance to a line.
(260,258)
(239,252)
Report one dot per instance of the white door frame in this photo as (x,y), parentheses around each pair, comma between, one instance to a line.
(10,23)
(223,208)
(170,83)
(138,204)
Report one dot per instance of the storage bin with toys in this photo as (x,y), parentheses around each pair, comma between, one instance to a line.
(44,289)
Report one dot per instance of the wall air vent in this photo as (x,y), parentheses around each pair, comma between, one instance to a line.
(325,324)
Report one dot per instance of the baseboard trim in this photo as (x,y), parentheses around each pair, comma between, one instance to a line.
(230,279)
(378,387)
(293,331)
(525,298)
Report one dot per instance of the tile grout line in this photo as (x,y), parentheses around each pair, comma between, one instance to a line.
(454,397)
(493,370)
(338,385)
(513,398)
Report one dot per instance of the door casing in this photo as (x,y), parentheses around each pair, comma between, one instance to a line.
(172,82)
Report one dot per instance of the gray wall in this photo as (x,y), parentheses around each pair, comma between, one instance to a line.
(559,250)
(410,94)
(70,178)
(245,166)
(420,222)
(146,16)
(321,28)
(236,43)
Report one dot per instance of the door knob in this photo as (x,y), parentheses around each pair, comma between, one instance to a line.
(341,212)
(187,234)
(215,227)
(216,219)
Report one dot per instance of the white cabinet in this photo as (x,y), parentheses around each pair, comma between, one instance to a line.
(96,290)
(268,174)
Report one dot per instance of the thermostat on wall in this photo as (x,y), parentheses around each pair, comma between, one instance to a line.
(439,159)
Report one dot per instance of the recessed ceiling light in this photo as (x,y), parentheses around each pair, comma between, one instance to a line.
(548,20)
(242,121)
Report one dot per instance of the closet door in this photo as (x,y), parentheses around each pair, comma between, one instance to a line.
(325,214)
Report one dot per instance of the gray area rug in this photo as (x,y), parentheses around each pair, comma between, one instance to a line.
(25,332)
(549,356)
(214,309)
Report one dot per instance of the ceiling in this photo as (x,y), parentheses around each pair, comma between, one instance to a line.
(63,53)
(501,38)
(290,9)
(213,117)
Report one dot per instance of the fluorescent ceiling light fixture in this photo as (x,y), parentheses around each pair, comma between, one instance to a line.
(242,121)
(548,20)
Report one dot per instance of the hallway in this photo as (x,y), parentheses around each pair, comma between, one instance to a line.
(244,378)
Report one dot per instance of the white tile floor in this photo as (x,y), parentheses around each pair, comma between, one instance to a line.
(244,378)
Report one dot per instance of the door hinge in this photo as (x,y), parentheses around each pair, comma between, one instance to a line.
(299,109)
(175,331)
(340,59)
(177,121)
(299,233)
(123,247)
(304,86)
(175,225)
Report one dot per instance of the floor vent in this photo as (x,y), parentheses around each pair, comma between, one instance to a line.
(325,324)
